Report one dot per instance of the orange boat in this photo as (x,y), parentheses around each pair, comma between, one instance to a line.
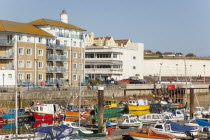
(149,134)
(73,111)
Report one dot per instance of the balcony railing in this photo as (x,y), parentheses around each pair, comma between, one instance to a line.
(55,69)
(7,56)
(56,57)
(73,36)
(49,69)
(56,46)
(54,81)
(5,42)
(7,67)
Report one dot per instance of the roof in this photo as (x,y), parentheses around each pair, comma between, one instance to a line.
(44,21)
(17,27)
(106,38)
(124,41)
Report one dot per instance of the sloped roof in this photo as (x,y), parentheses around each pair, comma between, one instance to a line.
(44,21)
(124,41)
(17,27)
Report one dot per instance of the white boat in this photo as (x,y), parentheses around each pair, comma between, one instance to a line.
(151,118)
(76,127)
(129,121)
(200,113)
(178,130)
(191,123)
(178,115)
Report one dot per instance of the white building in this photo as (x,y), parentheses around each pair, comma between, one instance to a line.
(7,78)
(106,62)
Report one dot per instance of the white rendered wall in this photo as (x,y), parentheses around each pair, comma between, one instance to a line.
(133,50)
(7,81)
(176,67)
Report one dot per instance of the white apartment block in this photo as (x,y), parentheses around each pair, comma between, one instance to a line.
(105,62)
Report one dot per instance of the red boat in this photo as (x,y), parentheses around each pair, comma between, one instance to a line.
(47,112)
(47,122)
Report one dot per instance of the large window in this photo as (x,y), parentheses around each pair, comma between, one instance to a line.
(28,51)
(21,51)
(75,55)
(103,55)
(103,66)
(20,63)
(65,65)
(40,40)
(75,77)
(20,76)
(114,55)
(89,55)
(80,66)
(65,53)
(28,38)
(28,64)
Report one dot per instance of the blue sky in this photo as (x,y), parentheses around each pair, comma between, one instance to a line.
(162,25)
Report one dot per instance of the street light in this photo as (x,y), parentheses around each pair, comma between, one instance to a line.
(160,72)
(176,72)
(3,80)
(190,73)
(204,78)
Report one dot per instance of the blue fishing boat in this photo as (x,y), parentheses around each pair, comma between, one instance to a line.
(55,132)
(11,113)
(203,122)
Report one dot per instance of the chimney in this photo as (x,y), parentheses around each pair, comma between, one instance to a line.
(64,16)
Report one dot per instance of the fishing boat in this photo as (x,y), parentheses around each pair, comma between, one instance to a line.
(170,127)
(73,111)
(149,134)
(47,112)
(11,113)
(107,115)
(75,119)
(201,113)
(140,104)
(204,124)
(191,123)
(39,123)
(138,113)
(179,107)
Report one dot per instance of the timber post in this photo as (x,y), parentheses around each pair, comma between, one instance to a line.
(192,95)
(100,108)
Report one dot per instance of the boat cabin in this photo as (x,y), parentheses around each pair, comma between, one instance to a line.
(140,102)
(46,108)
(151,117)
(111,103)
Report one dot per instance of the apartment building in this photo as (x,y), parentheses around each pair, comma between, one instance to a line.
(106,62)
(44,51)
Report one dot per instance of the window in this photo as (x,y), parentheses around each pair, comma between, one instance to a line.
(65,76)
(28,38)
(65,42)
(75,66)
(75,77)
(115,66)
(28,64)
(81,55)
(40,64)
(40,52)
(65,65)
(114,55)
(40,77)
(20,76)
(134,57)
(75,55)
(40,40)
(80,66)
(21,51)
(20,37)
(74,43)
(48,42)
(28,76)
(29,51)
(10,76)
(134,67)
(66,54)
(20,64)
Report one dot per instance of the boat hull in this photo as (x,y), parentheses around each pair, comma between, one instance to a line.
(44,116)
(146,138)
(135,107)
(76,113)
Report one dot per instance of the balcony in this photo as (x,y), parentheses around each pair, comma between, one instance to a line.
(56,46)
(59,70)
(7,67)
(53,57)
(54,81)
(103,71)
(5,42)
(49,69)
(6,56)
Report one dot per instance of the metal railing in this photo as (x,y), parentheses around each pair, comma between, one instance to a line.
(55,46)
(5,42)
(7,56)
(56,57)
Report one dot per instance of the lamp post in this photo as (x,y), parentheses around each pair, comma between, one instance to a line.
(176,72)
(3,79)
(160,72)
(204,78)
(36,71)
(190,73)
